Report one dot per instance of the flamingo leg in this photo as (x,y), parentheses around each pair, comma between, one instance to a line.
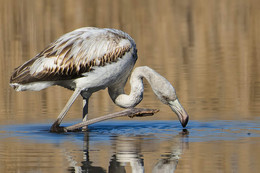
(85,112)
(55,126)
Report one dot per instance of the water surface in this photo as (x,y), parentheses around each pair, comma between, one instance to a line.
(118,146)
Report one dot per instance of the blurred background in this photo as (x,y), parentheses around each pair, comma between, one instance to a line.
(208,49)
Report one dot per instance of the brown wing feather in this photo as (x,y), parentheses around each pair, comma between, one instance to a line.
(69,58)
(21,74)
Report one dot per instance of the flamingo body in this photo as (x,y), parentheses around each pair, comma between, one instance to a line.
(89,59)
(84,58)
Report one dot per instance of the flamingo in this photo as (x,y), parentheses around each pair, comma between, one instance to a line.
(89,59)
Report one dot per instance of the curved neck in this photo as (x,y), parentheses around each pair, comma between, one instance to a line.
(121,99)
(161,87)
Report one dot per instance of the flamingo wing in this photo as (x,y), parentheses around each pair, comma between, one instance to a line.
(74,54)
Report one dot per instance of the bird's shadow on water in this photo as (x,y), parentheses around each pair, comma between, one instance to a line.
(101,132)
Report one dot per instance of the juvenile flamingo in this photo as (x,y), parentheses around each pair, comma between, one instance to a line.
(89,59)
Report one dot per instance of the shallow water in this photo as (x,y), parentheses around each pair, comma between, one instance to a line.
(118,146)
(208,50)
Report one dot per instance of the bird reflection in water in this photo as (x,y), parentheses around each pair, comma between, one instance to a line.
(170,160)
(86,163)
(127,152)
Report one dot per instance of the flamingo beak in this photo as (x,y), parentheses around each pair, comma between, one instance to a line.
(180,111)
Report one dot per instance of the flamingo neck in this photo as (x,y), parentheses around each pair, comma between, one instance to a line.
(161,87)
(123,100)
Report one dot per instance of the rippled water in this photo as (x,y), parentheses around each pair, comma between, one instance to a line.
(118,146)
(208,50)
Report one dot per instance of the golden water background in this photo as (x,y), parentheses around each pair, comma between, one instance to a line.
(208,49)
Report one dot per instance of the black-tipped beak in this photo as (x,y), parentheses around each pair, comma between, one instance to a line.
(180,111)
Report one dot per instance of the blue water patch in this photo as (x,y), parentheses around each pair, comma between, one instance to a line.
(223,130)
(197,131)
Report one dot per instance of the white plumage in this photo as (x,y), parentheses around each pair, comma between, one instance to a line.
(89,59)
